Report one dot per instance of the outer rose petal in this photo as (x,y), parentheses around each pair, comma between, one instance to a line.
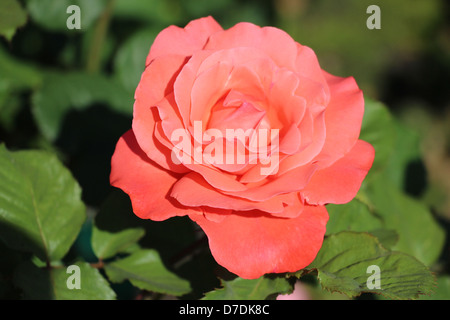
(268,39)
(147,184)
(183,41)
(343,118)
(155,85)
(252,245)
(307,65)
(340,182)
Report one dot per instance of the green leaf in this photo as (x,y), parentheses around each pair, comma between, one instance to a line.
(442,290)
(352,216)
(253,289)
(52,15)
(106,244)
(18,74)
(388,238)
(396,146)
(144,269)
(406,150)
(61,283)
(419,233)
(62,92)
(40,204)
(129,62)
(343,266)
(357,215)
(378,128)
(12,16)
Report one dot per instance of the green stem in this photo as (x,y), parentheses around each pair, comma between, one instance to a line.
(101,28)
(189,250)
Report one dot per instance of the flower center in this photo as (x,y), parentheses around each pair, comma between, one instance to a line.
(237,111)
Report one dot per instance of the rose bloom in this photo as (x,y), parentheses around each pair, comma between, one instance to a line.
(250,78)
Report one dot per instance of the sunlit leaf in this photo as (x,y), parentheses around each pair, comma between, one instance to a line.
(40,204)
(81,282)
(442,291)
(345,261)
(145,270)
(419,233)
(352,216)
(106,244)
(378,128)
(17,73)
(12,16)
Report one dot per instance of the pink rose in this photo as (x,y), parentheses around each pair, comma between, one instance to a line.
(242,131)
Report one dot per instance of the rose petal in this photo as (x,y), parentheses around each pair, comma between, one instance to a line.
(343,118)
(282,96)
(292,181)
(292,210)
(184,83)
(274,42)
(207,89)
(315,94)
(193,191)
(290,142)
(221,72)
(158,79)
(183,41)
(147,184)
(218,179)
(157,146)
(244,116)
(340,182)
(313,134)
(308,67)
(237,56)
(255,173)
(156,83)
(251,72)
(229,156)
(252,245)
(170,118)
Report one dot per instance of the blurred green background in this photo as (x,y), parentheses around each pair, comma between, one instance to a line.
(71,91)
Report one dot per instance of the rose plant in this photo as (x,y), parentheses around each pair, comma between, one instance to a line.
(246,77)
